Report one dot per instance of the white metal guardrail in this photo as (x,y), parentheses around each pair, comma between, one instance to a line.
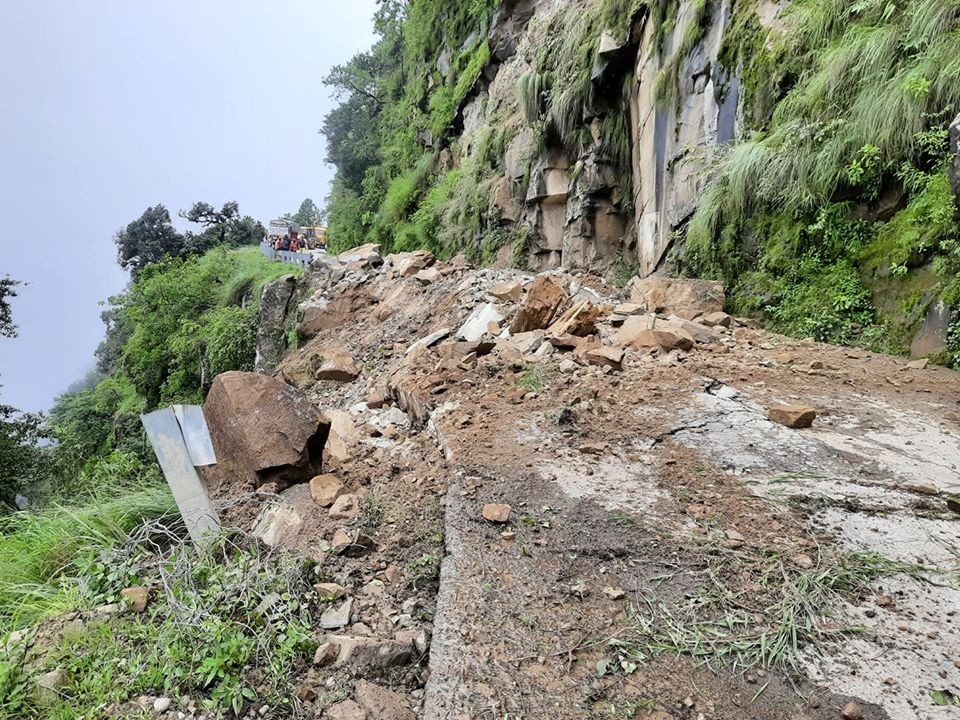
(294,258)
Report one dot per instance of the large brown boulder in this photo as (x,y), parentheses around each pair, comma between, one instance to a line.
(263,431)
(544,300)
(677,296)
(330,313)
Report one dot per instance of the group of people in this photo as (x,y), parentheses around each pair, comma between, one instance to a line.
(292,243)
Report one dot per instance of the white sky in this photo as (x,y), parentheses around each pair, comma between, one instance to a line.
(110,106)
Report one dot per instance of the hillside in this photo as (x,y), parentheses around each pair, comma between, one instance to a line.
(625,390)
(797,151)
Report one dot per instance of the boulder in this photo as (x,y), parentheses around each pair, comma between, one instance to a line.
(51,685)
(330,591)
(428,341)
(271,335)
(330,313)
(716,319)
(633,332)
(678,296)
(566,342)
(543,301)
(429,276)
(345,507)
(606,356)
(665,339)
(931,338)
(478,323)
(578,320)
(263,431)
(325,489)
(381,703)
(352,544)
(342,433)
(793,416)
(410,263)
(339,368)
(458,350)
(365,255)
(510,291)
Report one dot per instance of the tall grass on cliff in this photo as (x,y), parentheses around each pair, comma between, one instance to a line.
(872,77)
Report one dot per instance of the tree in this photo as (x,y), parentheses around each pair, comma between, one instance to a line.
(308,215)
(20,457)
(7,290)
(221,227)
(148,239)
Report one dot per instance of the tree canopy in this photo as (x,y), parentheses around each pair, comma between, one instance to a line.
(152,237)
(147,240)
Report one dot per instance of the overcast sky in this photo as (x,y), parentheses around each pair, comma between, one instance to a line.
(110,106)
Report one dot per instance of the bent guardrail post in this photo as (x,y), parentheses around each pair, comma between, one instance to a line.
(181,441)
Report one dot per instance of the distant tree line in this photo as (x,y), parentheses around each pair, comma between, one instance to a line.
(152,236)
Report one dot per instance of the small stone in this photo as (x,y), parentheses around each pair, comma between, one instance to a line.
(925,489)
(50,685)
(883,601)
(606,357)
(325,489)
(305,693)
(345,710)
(330,591)
(793,416)
(326,654)
(568,366)
(345,507)
(716,319)
(509,291)
(382,703)
(336,618)
(920,364)
(734,539)
(595,448)
(392,574)
(162,704)
(496,513)
(614,593)
(852,711)
(136,598)
(506,535)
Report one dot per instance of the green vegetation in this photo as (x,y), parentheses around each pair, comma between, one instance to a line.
(849,110)
(230,627)
(43,554)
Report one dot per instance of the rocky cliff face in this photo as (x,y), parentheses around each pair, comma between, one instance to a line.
(574,204)
(737,140)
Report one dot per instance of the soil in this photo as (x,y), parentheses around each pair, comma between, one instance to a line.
(634,495)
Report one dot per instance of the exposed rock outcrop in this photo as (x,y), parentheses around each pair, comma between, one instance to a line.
(271,333)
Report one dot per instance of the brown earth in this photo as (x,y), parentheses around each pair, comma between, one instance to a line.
(661,530)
